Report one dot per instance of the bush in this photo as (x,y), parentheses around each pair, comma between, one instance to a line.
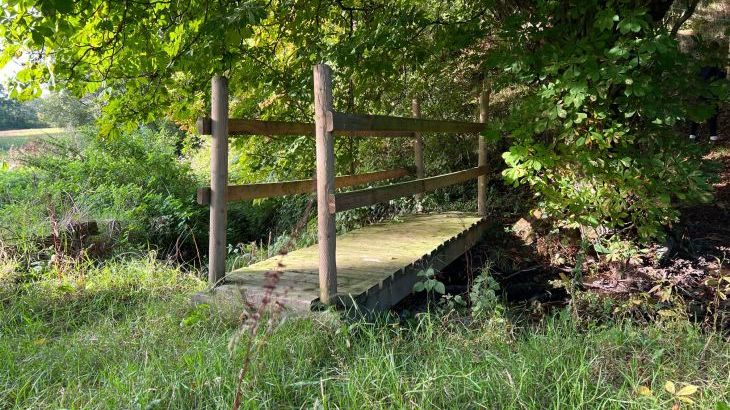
(136,187)
(596,135)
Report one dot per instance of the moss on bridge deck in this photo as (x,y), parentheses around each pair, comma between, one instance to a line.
(376,264)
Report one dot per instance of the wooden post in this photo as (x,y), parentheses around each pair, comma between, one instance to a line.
(325,184)
(218,179)
(418,150)
(482,180)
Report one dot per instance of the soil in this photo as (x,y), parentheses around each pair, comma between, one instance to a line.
(697,249)
(526,261)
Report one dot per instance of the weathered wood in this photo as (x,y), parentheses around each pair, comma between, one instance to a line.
(400,285)
(482,180)
(325,151)
(339,122)
(370,196)
(303,186)
(418,148)
(238,126)
(218,180)
(418,142)
(204,125)
(258,127)
(376,265)
(372,133)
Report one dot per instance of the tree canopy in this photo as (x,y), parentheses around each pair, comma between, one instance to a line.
(597,89)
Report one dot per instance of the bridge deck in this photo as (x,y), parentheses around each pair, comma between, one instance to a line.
(376,265)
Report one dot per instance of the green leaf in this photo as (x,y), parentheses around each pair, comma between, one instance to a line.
(491,134)
(63,6)
(601,249)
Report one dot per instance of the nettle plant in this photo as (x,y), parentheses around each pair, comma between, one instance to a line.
(429,283)
(596,135)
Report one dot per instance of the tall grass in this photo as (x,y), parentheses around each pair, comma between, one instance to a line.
(123,335)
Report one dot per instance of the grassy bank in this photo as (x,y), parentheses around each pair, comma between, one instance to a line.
(124,336)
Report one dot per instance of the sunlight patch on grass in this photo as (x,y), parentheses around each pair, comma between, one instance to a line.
(18,138)
(31,132)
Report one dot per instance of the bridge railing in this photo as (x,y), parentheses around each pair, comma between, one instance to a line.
(327,125)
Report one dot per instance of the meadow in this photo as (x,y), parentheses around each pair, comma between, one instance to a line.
(124,335)
(18,138)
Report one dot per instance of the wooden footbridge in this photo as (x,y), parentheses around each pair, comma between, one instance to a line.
(373,267)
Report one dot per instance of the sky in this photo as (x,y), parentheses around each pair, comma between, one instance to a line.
(9,71)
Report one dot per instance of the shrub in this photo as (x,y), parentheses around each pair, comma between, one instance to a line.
(595,136)
(135,186)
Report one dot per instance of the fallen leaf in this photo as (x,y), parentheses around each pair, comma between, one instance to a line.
(669,386)
(687,390)
(643,391)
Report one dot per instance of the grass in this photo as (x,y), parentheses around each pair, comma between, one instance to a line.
(123,335)
(18,138)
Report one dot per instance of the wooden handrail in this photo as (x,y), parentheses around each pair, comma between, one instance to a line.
(339,122)
(303,186)
(238,126)
(370,196)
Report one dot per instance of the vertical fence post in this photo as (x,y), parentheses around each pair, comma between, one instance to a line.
(418,148)
(218,179)
(325,184)
(482,180)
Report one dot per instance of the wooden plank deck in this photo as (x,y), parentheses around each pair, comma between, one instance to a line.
(376,264)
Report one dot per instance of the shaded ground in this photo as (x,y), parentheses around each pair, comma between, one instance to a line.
(680,277)
(687,270)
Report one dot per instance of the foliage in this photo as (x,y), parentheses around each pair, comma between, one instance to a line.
(602,85)
(158,54)
(483,296)
(61,109)
(429,283)
(147,60)
(595,136)
(122,335)
(137,188)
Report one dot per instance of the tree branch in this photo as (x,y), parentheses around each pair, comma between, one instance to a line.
(688,12)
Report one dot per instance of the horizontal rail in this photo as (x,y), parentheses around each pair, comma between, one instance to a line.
(303,186)
(237,126)
(339,122)
(371,196)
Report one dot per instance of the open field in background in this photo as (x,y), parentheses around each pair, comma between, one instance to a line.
(18,138)
(31,132)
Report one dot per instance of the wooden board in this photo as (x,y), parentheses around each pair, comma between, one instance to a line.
(341,122)
(376,265)
(239,126)
(302,186)
(371,196)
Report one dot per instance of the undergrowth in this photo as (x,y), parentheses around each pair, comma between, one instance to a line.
(123,335)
